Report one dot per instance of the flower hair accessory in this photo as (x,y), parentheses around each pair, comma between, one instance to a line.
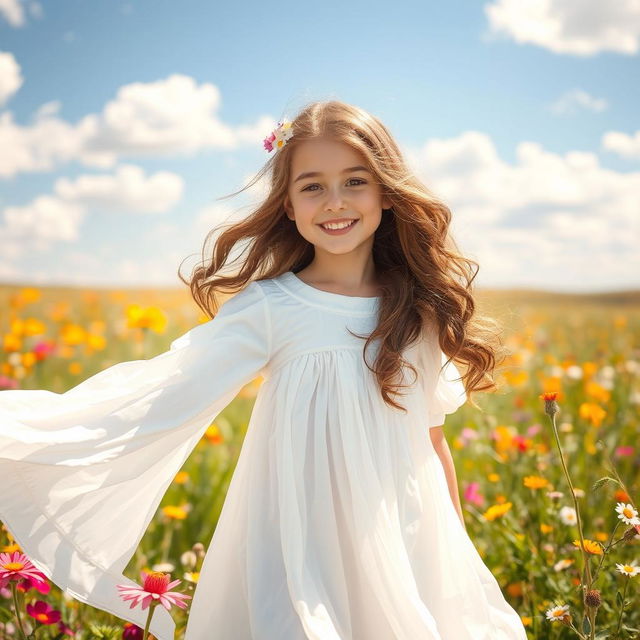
(279,136)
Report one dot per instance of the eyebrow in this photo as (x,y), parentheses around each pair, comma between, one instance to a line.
(312,174)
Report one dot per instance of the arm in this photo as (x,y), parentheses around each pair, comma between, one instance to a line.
(84,471)
(444,453)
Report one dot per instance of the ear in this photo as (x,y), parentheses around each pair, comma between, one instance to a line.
(288,208)
(386,203)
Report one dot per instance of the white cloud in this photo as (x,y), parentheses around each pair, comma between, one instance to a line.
(582,28)
(13,11)
(10,77)
(167,117)
(127,190)
(575,100)
(35,226)
(627,146)
(547,220)
(42,146)
(57,218)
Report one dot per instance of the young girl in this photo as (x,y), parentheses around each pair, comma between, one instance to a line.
(342,520)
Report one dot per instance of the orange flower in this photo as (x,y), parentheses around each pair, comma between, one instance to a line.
(590,546)
(213,434)
(592,412)
(535,482)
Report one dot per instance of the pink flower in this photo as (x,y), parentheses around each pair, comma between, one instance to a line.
(8,383)
(43,348)
(62,628)
(472,495)
(533,429)
(624,451)
(155,590)
(268,142)
(40,584)
(16,566)
(43,612)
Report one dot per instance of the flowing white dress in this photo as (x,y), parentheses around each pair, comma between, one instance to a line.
(338,523)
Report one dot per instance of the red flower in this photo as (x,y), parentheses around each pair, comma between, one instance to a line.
(43,612)
(132,631)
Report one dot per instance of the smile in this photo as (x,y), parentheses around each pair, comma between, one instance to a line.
(339,229)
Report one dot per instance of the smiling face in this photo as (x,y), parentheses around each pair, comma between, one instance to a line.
(340,190)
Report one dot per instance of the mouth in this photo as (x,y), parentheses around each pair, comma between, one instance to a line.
(340,231)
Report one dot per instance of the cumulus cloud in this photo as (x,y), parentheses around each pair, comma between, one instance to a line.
(576,100)
(168,117)
(57,218)
(13,11)
(126,190)
(582,28)
(623,144)
(10,76)
(543,218)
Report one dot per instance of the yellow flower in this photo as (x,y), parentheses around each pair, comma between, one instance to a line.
(590,546)
(545,528)
(592,412)
(493,477)
(496,511)
(535,482)
(181,477)
(146,318)
(174,513)
(73,334)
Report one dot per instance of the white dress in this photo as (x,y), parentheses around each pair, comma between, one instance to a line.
(338,523)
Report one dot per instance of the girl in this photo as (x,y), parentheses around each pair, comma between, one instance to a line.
(342,520)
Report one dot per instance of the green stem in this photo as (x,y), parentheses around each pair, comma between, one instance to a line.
(575,502)
(606,550)
(146,626)
(579,634)
(624,593)
(17,608)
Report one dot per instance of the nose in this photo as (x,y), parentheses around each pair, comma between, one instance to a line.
(335,201)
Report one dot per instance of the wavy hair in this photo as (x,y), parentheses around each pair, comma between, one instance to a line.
(426,284)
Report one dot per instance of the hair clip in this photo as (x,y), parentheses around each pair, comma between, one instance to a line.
(279,136)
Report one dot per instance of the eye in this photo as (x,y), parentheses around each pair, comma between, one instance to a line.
(359,181)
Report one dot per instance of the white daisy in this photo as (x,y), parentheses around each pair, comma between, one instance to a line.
(631,570)
(568,515)
(558,613)
(627,513)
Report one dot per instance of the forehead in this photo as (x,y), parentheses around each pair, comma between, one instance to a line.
(324,155)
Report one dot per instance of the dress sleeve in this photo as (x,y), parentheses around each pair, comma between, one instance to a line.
(444,390)
(84,471)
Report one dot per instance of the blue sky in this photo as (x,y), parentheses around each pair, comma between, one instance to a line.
(122,122)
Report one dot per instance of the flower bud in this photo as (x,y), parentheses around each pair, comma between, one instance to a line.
(592,598)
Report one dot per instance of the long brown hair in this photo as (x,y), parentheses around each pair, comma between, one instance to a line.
(425,280)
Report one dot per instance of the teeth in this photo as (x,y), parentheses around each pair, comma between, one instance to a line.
(340,225)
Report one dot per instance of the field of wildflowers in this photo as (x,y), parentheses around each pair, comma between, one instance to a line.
(548,470)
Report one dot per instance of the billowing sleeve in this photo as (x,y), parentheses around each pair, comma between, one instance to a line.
(84,471)
(443,387)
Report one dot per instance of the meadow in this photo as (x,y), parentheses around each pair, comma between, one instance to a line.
(542,479)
